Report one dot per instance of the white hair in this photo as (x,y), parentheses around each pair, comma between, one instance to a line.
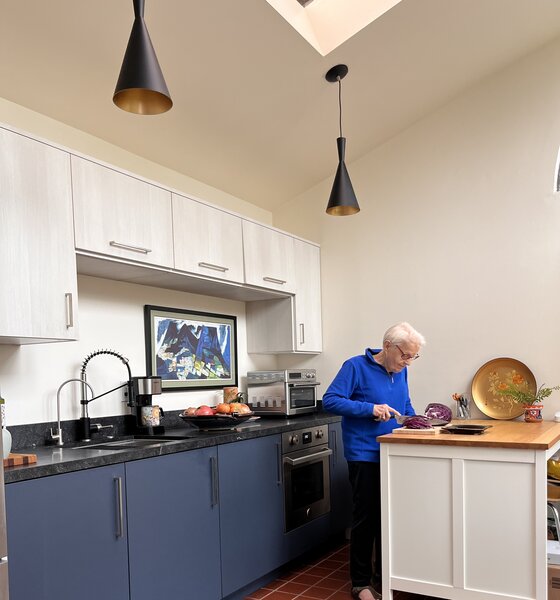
(402,333)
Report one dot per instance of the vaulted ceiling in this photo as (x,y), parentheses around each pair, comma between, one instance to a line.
(252,113)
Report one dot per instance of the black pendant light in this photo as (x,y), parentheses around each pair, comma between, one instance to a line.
(342,200)
(141,88)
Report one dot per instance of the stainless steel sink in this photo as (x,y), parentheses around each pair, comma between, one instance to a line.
(125,444)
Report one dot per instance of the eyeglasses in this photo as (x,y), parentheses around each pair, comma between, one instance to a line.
(407,357)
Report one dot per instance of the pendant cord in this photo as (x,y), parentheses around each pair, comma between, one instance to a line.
(340,105)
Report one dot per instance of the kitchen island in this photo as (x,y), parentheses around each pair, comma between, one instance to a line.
(464,516)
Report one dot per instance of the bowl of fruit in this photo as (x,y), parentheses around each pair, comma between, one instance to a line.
(225,415)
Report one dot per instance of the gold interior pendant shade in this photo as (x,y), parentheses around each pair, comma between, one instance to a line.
(342,201)
(141,88)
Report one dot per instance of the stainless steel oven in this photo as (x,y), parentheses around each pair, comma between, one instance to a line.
(305,459)
(284,393)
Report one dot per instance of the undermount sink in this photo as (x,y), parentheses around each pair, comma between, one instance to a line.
(124,444)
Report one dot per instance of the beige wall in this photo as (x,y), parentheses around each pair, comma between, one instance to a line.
(459,233)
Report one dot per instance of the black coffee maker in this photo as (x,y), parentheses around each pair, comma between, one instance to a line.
(141,391)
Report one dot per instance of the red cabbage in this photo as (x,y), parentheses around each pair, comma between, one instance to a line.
(417,422)
(438,411)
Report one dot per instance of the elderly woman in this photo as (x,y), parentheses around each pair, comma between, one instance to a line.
(367,391)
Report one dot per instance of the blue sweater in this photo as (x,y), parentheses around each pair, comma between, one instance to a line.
(359,385)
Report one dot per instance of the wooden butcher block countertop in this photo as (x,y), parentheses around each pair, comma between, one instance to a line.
(502,434)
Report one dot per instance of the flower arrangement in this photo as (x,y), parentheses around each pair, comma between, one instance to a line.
(523,395)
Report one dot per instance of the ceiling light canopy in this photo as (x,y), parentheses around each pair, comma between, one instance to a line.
(141,88)
(342,201)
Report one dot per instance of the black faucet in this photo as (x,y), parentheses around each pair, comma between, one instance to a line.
(84,425)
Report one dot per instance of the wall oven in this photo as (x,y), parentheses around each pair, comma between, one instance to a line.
(284,393)
(305,461)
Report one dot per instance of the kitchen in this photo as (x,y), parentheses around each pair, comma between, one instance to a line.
(459,213)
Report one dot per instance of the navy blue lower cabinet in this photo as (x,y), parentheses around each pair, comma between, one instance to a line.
(251,511)
(173,527)
(67,536)
(341,491)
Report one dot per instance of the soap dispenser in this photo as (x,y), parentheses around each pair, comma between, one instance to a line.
(6,435)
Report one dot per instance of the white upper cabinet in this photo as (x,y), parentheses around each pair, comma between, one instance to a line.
(38,302)
(308,334)
(121,216)
(269,257)
(207,241)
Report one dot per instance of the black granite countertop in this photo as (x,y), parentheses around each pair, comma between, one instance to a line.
(54,460)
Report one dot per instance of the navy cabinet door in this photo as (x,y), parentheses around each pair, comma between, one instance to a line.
(173,527)
(341,491)
(67,536)
(251,510)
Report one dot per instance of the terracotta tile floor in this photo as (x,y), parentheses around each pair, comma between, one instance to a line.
(323,577)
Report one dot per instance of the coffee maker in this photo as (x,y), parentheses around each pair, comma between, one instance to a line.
(141,391)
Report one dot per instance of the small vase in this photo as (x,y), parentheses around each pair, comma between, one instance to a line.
(6,442)
(533,413)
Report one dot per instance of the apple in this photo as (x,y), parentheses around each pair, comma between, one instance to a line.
(204,411)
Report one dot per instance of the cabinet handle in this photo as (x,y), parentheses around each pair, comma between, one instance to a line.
(69,310)
(215,483)
(213,267)
(301,333)
(129,247)
(119,499)
(274,280)
(334,447)
(279,467)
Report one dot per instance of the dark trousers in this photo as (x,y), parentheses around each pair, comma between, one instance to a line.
(365,539)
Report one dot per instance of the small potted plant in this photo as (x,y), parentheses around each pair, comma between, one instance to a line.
(532,401)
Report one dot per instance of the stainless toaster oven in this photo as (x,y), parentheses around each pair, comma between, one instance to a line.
(283,393)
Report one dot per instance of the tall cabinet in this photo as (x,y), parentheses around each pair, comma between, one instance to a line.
(37,262)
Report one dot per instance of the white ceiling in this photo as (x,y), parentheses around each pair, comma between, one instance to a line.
(252,113)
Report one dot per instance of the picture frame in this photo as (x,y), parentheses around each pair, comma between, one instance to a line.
(190,350)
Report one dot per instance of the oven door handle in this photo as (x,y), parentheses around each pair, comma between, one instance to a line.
(303,460)
(304,384)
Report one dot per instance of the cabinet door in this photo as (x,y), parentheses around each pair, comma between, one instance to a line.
(207,240)
(341,491)
(269,257)
(67,536)
(173,526)
(308,334)
(121,216)
(251,510)
(37,262)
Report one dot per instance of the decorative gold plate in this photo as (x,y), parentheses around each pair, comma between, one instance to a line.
(497,374)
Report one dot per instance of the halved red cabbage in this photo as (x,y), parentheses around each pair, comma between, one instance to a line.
(438,411)
(417,422)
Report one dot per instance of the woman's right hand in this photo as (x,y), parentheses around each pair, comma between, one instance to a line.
(383,412)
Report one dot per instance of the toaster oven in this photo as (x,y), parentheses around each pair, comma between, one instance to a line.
(283,393)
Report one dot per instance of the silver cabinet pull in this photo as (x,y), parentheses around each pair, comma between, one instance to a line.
(301,333)
(119,499)
(213,267)
(129,247)
(274,280)
(334,446)
(279,464)
(215,483)
(69,310)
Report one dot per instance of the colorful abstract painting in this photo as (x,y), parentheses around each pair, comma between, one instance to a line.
(190,349)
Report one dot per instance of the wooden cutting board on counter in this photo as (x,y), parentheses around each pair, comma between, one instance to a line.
(16,460)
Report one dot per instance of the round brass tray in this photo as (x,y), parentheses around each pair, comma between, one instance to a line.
(496,374)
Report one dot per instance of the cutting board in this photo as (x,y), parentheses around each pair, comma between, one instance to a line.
(405,431)
(15,460)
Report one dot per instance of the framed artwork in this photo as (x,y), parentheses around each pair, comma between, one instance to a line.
(190,349)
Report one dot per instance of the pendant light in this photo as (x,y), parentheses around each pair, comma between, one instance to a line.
(141,88)
(342,201)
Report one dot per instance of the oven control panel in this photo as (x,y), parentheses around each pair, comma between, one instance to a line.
(305,438)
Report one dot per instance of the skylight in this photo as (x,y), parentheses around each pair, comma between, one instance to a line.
(326,24)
